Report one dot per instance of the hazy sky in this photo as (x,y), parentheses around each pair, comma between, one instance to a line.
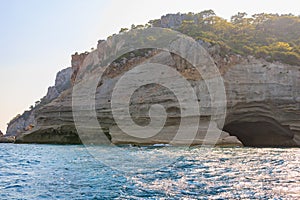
(37,37)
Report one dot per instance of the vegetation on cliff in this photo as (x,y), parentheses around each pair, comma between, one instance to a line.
(273,37)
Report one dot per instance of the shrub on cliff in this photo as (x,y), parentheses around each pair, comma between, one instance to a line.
(272,36)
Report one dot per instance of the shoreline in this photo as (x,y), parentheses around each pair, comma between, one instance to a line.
(11,140)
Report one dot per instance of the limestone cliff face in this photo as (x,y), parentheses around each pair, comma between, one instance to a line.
(62,82)
(26,121)
(263,104)
(21,123)
(76,62)
(263,100)
(56,120)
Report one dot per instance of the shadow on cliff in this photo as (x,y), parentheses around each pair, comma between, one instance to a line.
(254,126)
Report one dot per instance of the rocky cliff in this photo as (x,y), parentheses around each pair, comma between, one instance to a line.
(21,123)
(263,99)
(62,82)
(263,104)
(26,121)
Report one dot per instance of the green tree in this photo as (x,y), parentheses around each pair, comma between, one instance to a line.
(123,30)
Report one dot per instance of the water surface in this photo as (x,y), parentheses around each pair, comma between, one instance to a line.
(70,172)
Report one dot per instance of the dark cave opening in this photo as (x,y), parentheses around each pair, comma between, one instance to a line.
(260,133)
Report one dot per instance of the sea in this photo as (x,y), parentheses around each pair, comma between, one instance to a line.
(32,171)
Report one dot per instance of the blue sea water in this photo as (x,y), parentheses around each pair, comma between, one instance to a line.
(71,172)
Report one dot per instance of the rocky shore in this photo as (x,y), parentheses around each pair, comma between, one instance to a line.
(4,139)
(7,139)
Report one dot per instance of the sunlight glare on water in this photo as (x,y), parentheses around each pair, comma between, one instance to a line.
(70,172)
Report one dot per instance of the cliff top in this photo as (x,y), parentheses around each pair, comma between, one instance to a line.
(270,36)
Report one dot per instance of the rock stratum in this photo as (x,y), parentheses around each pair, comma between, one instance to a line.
(262,108)
(25,122)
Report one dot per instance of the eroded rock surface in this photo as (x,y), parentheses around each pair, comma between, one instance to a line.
(21,123)
(25,122)
(263,106)
(263,103)
(262,99)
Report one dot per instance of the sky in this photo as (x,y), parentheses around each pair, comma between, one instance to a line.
(37,38)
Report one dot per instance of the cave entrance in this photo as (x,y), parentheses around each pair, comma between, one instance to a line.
(261,133)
